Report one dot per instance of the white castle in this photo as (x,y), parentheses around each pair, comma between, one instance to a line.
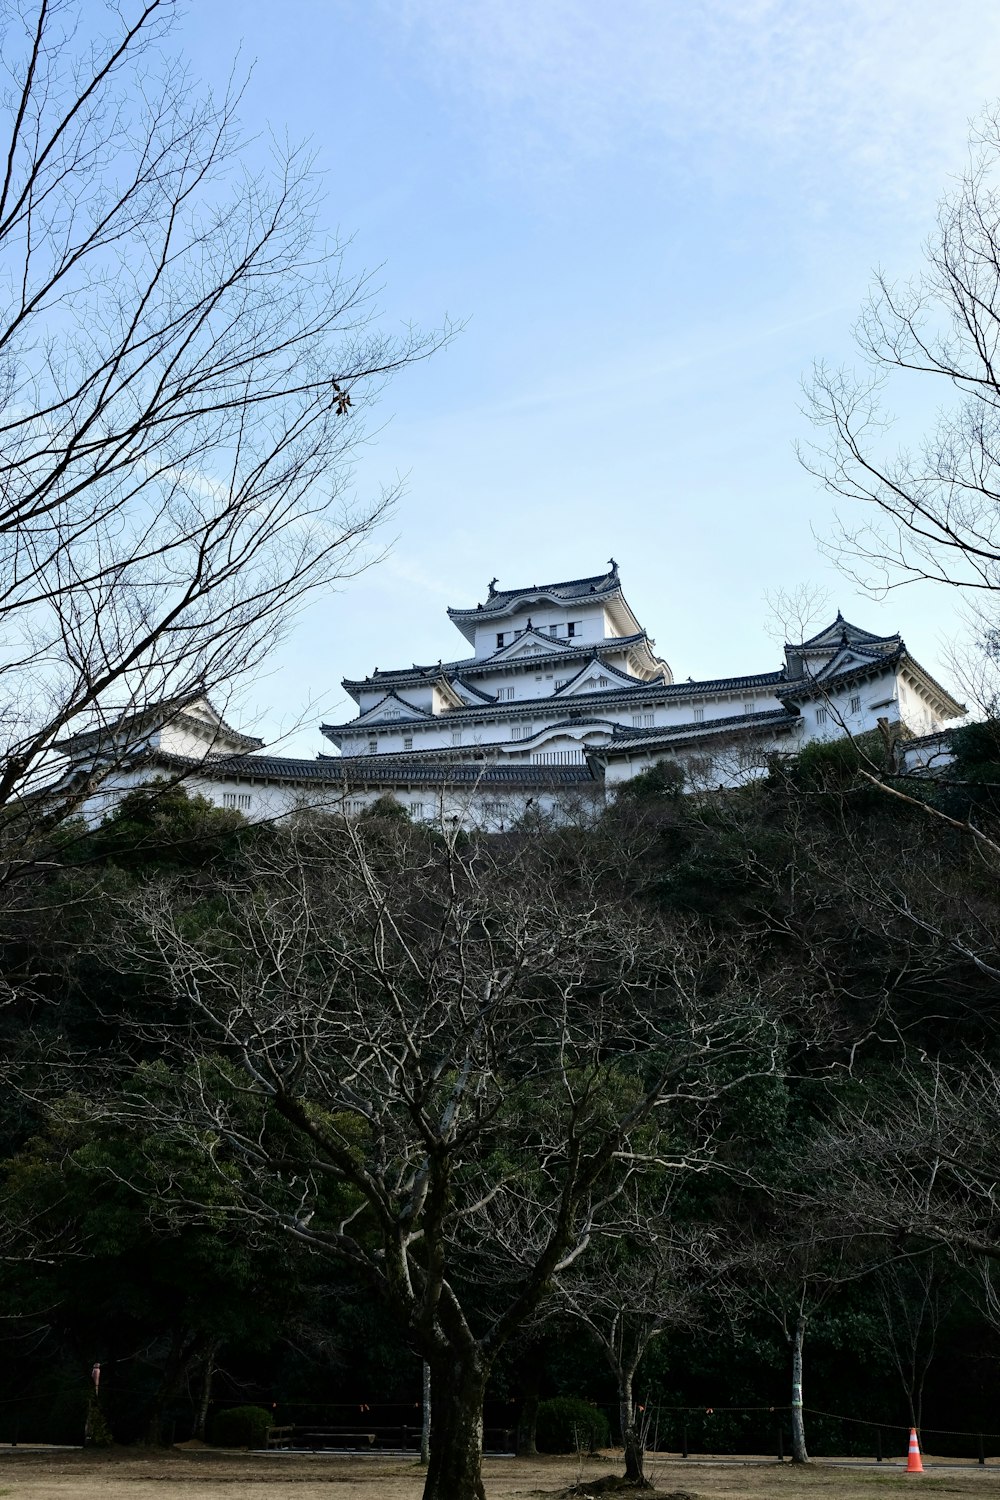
(562,700)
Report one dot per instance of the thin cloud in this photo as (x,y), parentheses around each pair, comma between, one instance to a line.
(885,89)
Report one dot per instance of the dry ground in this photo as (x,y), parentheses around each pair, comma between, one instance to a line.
(206,1475)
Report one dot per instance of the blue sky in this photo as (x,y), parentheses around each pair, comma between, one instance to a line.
(653,216)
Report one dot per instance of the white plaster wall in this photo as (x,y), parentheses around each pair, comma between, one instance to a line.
(587,615)
(929,756)
(916,710)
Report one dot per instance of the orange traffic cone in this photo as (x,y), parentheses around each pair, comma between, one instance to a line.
(913,1464)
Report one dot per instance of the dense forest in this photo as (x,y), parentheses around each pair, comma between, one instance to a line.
(650,1113)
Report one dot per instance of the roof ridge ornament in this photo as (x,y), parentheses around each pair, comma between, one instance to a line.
(493,586)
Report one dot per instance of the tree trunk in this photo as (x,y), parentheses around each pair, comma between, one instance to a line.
(799,1454)
(527,1419)
(177,1364)
(455,1468)
(205,1397)
(425,1430)
(635,1457)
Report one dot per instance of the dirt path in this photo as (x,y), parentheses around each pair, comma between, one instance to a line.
(206,1475)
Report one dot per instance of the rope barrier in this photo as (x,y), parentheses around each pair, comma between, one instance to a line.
(836,1416)
(896,1426)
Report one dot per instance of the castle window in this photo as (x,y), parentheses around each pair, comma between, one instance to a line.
(237,799)
(750,706)
(373,747)
(821,716)
(561,682)
(456,736)
(521,731)
(505,693)
(699,715)
(408,742)
(856,704)
(499,637)
(642,721)
(575,627)
(603,682)
(417,810)
(553,630)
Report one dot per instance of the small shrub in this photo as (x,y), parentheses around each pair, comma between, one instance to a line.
(566,1424)
(239,1427)
(98,1433)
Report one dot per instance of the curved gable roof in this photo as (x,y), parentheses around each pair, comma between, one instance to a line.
(842,633)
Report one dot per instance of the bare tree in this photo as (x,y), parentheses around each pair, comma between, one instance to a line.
(915,1294)
(183,365)
(917,1156)
(446,1063)
(934,504)
(789,1264)
(640,1279)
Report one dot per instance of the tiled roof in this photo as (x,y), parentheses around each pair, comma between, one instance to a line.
(383,770)
(477,692)
(569,589)
(939,736)
(156,716)
(831,634)
(603,697)
(799,688)
(769,719)
(465,666)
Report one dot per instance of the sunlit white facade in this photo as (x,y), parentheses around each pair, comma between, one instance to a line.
(560,698)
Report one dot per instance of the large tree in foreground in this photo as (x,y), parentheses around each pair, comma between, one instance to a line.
(182,362)
(447,1064)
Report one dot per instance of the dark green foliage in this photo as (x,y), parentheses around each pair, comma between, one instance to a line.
(972,781)
(160,827)
(863,913)
(386,806)
(566,1424)
(663,782)
(826,765)
(240,1427)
